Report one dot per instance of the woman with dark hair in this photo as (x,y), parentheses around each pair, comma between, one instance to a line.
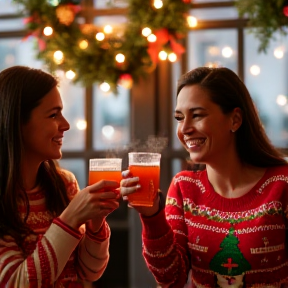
(51,235)
(226,223)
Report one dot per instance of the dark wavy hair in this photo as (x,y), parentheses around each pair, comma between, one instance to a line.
(21,90)
(228,91)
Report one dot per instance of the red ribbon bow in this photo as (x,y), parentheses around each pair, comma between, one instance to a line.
(162,38)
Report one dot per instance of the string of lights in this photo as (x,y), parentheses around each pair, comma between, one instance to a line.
(108,55)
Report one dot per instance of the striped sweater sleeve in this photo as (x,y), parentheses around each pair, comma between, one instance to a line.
(44,265)
(93,250)
(93,253)
(165,245)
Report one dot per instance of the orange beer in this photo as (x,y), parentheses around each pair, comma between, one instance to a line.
(95,176)
(105,168)
(147,167)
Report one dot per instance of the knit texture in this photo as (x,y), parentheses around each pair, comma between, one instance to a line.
(58,256)
(238,242)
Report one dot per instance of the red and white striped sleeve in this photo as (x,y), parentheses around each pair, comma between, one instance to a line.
(93,253)
(44,265)
(93,250)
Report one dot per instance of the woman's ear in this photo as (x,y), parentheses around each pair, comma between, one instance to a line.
(236,117)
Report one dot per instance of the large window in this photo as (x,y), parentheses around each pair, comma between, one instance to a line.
(106,124)
(217,47)
(111,120)
(266,78)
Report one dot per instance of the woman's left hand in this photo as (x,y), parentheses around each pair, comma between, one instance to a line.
(108,205)
(130,185)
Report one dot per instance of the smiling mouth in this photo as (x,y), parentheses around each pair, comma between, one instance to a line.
(58,140)
(195,142)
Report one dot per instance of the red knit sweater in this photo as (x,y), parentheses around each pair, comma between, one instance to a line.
(58,256)
(239,242)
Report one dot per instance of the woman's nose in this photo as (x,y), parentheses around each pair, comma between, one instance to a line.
(65,125)
(187,127)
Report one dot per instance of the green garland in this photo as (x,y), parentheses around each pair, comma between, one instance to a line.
(266,17)
(96,63)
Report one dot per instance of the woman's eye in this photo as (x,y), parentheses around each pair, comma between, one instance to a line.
(53,115)
(178,118)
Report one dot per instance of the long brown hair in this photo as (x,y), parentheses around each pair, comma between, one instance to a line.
(228,91)
(21,90)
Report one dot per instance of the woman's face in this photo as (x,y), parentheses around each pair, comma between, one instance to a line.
(43,133)
(203,129)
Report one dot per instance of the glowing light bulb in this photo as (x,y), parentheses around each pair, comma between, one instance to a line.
(212,64)
(83,44)
(255,70)
(281,100)
(146,31)
(126,81)
(152,38)
(172,57)
(120,58)
(81,124)
(100,36)
(158,4)
(9,59)
(105,87)
(54,2)
(60,73)
(48,31)
(58,57)
(227,52)
(279,53)
(213,50)
(108,29)
(192,21)
(70,74)
(108,131)
(162,55)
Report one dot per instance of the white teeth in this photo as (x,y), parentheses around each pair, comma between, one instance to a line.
(58,140)
(195,142)
(185,137)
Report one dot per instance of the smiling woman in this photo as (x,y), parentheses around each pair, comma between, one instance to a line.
(237,198)
(43,133)
(203,129)
(43,218)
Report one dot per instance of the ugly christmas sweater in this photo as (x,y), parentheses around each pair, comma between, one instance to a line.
(55,255)
(239,242)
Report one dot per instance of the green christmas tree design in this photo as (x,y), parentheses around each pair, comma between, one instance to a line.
(229,260)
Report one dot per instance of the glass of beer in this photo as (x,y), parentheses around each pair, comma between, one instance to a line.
(146,166)
(105,168)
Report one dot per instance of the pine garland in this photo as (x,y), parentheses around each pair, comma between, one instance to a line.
(265,19)
(96,63)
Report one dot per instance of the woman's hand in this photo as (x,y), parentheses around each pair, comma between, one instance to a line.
(130,185)
(95,203)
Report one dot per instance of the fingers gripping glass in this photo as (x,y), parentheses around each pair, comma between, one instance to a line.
(147,167)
